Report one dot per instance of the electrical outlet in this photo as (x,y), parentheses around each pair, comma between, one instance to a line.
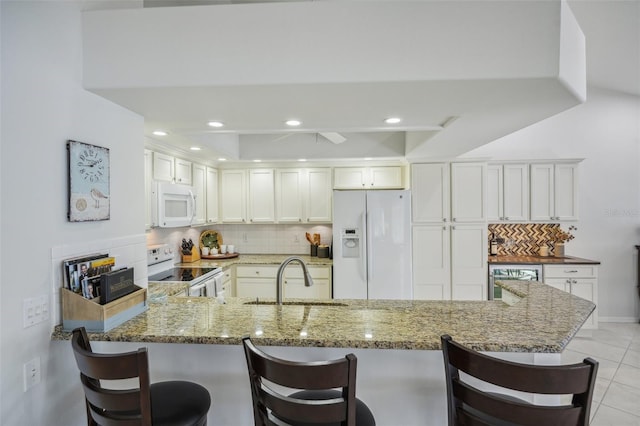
(296,239)
(244,238)
(31,373)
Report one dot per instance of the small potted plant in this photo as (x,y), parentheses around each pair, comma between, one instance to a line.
(560,237)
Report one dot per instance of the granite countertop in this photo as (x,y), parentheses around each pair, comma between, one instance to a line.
(539,318)
(256,259)
(545,260)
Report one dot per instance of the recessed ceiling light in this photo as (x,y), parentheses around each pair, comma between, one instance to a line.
(368,158)
(293,123)
(222,159)
(257,161)
(215,124)
(160,133)
(195,148)
(302,159)
(393,120)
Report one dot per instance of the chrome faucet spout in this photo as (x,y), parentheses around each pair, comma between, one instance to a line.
(308,281)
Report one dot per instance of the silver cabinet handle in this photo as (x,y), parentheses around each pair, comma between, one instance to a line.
(506,218)
(570,271)
(444,219)
(444,228)
(453,219)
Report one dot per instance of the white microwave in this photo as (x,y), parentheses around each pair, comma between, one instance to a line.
(176,205)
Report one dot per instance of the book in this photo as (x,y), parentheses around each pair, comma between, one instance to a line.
(75,269)
(116,284)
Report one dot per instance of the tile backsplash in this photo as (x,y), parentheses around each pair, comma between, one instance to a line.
(524,239)
(248,239)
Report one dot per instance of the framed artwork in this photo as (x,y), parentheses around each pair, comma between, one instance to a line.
(89,197)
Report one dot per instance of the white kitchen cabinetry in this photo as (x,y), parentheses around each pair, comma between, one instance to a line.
(183,171)
(508,192)
(554,192)
(430,193)
(303,195)
(233,196)
(468,192)
(227,281)
(212,214)
(163,167)
(385,177)
(259,281)
(148,190)
(261,196)
(199,182)
(167,168)
(578,279)
(449,262)
(469,262)
(449,231)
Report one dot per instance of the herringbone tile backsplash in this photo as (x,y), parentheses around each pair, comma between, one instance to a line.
(527,238)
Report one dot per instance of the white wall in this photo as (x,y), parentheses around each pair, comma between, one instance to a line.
(605,131)
(43,105)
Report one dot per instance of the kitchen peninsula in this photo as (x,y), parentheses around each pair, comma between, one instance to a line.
(396,342)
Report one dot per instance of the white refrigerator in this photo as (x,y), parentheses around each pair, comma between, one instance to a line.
(372,245)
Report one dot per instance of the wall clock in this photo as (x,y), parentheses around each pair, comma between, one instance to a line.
(89,197)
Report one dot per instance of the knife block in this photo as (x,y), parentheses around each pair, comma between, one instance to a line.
(195,255)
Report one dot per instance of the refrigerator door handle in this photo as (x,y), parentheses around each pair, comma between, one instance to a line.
(364,269)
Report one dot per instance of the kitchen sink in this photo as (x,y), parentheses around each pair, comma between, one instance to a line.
(260,302)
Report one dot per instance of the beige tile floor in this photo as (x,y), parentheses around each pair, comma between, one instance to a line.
(616,346)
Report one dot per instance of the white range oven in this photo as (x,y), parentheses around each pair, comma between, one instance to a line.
(203,282)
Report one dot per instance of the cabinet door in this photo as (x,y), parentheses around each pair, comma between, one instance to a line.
(559,283)
(289,195)
(495,202)
(294,288)
(468,193)
(255,287)
(261,196)
(163,167)
(385,177)
(516,192)
(199,190)
(431,262)
(318,196)
(469,262)
(430,193)
(149,196)
(566,192)
(586,288)
(212,195)
(183,172)
(233,196)
(349,178)
(542,192)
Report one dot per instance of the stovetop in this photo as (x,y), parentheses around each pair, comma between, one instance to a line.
(180,274)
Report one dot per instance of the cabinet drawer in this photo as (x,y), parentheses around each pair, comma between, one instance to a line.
(568,271)
(295,271)
(256,271)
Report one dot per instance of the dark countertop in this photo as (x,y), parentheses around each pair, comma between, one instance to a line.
(545,260)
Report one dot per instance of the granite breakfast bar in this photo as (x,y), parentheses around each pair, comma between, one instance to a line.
(400,371)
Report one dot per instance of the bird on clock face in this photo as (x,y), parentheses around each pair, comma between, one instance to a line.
(97,196)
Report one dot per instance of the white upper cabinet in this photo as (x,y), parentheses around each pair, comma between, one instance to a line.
(508,192)
(233,196)
(554,194)
(212,195)
(386,177)
(318,195)
(183,171)
(261,196)
(430,193)
(289,195)
(303,195)
(167,168)
(149,196)
(163,167)
(199,190)
(468,192)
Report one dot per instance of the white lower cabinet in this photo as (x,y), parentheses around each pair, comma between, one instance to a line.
(227,282)
(578,279)
(450,262)
(259,281)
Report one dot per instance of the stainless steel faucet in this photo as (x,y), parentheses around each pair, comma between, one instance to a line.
(308,281)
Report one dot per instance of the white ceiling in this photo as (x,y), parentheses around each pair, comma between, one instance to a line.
(612,32)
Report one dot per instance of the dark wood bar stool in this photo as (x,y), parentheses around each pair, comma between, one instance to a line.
(318,404)
(468,405)
(175,403)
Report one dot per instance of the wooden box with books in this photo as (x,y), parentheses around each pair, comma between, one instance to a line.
(77,311)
